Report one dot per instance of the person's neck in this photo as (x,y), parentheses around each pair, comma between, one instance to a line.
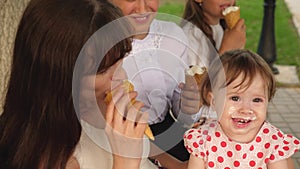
(140,36)
(212,20)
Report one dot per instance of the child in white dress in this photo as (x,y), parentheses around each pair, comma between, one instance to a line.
(205,33)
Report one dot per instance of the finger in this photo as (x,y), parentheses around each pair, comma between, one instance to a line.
(190,103)
(134,113)
(142,123)
(190,106)
(121,107)
(116,83)
(110,110)
(192,88)
(189,109)
(191,95)
(181,85)
(112,92)
(190,83)
(110,113)
(143,118)
(240,23)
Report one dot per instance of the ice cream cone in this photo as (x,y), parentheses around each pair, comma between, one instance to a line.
(194,75)
(129,88)
(149,133)
(232,15)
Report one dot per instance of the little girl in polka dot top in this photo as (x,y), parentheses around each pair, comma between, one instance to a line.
(239,89)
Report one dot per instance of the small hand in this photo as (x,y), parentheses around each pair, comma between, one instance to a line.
(190,96)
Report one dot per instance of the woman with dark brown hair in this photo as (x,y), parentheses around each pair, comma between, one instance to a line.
(39,127)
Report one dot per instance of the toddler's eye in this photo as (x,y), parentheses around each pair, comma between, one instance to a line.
(257,100)
(235,98)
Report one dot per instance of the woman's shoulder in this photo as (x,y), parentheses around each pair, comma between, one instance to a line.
(72,163)
(192,30)
(89,152)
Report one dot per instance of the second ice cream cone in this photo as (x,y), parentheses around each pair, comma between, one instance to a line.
(129,88)
(232,16)
(195,75)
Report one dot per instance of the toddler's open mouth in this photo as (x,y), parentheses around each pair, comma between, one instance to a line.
(243,121)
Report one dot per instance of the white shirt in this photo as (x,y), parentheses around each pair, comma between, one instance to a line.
(201,51)
(156,66)
(93,150)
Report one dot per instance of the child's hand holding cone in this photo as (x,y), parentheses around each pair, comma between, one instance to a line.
(190,96)
(232,15)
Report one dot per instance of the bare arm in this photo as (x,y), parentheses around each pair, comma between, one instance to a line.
(72,163)
(124,162)
(196,163)
(282,164)
(290,163)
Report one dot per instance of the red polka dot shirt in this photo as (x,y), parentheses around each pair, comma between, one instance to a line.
(218,151)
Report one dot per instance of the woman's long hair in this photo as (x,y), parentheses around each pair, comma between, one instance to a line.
(39,127)
(193,13)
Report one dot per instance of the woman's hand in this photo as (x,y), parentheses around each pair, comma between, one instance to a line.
(234,38)
(125,129)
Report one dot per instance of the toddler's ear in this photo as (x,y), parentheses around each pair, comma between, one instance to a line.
(211,100)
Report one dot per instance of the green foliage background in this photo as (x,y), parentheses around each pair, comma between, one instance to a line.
(286,36)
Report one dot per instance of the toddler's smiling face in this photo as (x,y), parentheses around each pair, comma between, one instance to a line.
(244,109)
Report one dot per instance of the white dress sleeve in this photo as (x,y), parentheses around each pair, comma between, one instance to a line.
(201,51)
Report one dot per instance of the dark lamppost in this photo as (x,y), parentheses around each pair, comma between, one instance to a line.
(267,47)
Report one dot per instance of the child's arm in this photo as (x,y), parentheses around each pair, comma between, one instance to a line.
(196,163)
(282,164)
(290,163)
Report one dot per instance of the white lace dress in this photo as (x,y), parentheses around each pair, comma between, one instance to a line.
(156,66)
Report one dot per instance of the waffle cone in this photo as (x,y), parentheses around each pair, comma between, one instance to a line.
(198,79)
(232,18)
(195,80)
(128,87)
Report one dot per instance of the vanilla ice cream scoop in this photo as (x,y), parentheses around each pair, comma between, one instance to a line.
(194,74)
(195,70)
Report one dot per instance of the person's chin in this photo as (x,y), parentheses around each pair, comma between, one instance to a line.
(141,23)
